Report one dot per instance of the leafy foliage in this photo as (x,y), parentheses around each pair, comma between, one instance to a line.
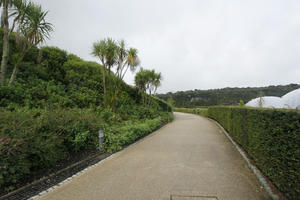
(116,137)
(147,80)
(33,139)
(271,137)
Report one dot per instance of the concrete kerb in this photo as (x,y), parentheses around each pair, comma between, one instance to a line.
(44,178)
(70,178)
(254,169)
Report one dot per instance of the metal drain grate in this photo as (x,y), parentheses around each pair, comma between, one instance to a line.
(178,197)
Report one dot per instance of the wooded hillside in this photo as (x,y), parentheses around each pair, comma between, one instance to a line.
(224,96)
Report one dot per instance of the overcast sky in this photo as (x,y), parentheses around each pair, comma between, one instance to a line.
(195,44)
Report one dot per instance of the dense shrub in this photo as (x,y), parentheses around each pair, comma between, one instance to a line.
(116,137)
(271,137)
(38,138)
(53,59)
(197,111)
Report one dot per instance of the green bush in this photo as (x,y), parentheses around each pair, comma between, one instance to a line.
(116,137)
(35,139)
(107,115)
(272,139)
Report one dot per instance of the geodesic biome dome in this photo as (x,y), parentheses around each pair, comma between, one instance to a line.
(292,99)
(267,102)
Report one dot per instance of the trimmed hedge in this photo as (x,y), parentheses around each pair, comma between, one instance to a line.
(197,111)
(271,137)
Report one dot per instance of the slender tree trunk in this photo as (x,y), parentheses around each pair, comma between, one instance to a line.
(119,70)
(2,19)
(104,86)
(110,91)
(143,97)
(5,48)
(14,75)
(125,72)
(39,57)
(149,100)
(16,69)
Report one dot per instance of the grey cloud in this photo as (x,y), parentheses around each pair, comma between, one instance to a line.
(195,44)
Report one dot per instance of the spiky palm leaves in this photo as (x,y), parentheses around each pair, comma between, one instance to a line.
(112,53)
(132,61)
(33,29)
(147,81)
(106,51)
(127,58)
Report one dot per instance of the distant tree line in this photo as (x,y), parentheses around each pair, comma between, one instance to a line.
(225,96)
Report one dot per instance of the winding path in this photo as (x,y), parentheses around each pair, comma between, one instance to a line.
(188,157)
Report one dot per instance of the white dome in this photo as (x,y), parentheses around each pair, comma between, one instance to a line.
(267,102)
(292,99)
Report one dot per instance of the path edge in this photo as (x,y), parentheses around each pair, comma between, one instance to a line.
(259,175)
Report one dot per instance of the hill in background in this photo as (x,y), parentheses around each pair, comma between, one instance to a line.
(224,96)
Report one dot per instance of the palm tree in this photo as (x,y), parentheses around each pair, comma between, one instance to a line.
(19,11)
(140,80)
(106,51)
(156,81)
(147,80)
(132,61)
(122,53)
(5,4)
(111,54)
(33,31)
(126,59)
(99,50)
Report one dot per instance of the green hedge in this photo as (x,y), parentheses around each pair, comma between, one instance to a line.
(197,111)
(117,137)
(271,137)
